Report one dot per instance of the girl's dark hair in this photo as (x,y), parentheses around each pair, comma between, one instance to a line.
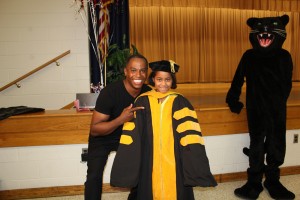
(136,56)
(152,75)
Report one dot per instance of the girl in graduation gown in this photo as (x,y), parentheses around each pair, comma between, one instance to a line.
(162,150)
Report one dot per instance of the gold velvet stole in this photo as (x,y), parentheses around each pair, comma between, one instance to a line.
(164,166)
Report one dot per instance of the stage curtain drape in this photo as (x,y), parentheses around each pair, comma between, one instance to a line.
(206,38)
(275,5)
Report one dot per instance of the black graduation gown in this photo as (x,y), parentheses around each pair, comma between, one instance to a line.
(162,150)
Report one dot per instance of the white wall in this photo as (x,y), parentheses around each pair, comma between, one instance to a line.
(47,166)
(32,32)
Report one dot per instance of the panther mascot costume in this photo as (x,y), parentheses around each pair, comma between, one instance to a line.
(267,69)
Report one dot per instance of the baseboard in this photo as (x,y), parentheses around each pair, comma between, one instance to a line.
(79,189)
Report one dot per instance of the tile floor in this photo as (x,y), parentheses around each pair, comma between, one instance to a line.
(224,191)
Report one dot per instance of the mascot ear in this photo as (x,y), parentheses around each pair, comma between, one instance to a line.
(251,21)
(285,19)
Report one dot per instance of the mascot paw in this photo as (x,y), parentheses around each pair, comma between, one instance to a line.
(246,151)
(236,107)
(249,191)
(277,190)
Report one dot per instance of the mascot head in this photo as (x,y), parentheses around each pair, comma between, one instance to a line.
(267,33)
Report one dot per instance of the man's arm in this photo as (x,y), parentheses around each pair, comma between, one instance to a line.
(100,126)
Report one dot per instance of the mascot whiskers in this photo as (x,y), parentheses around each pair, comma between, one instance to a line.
(267,70)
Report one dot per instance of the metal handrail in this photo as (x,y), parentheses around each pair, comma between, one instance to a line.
(35,70)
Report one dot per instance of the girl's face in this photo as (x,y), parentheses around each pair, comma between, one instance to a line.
(162,81)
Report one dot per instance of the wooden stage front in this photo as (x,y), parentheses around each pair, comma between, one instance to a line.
(55,127)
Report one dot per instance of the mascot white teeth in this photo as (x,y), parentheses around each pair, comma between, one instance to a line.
(267,69)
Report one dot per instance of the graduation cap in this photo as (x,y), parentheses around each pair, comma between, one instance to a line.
(164,65)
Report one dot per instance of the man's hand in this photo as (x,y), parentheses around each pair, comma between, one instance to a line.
(101,125)
(128,113)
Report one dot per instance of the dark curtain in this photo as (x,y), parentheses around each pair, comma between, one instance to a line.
(119,23)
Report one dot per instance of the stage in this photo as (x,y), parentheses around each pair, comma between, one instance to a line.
(67,126)
(213,95)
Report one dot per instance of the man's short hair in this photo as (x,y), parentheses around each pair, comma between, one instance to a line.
(137,56)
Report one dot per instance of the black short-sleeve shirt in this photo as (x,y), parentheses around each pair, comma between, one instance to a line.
(111,101)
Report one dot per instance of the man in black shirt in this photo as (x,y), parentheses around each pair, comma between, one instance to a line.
(113,109)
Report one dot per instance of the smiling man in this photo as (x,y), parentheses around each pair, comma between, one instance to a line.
(113,109)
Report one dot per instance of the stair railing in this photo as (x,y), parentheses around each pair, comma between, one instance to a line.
(15,82)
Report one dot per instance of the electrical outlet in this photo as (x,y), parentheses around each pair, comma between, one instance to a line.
(84,155)
(295,138)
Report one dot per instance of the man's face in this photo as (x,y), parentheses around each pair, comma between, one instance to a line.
(136,73)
